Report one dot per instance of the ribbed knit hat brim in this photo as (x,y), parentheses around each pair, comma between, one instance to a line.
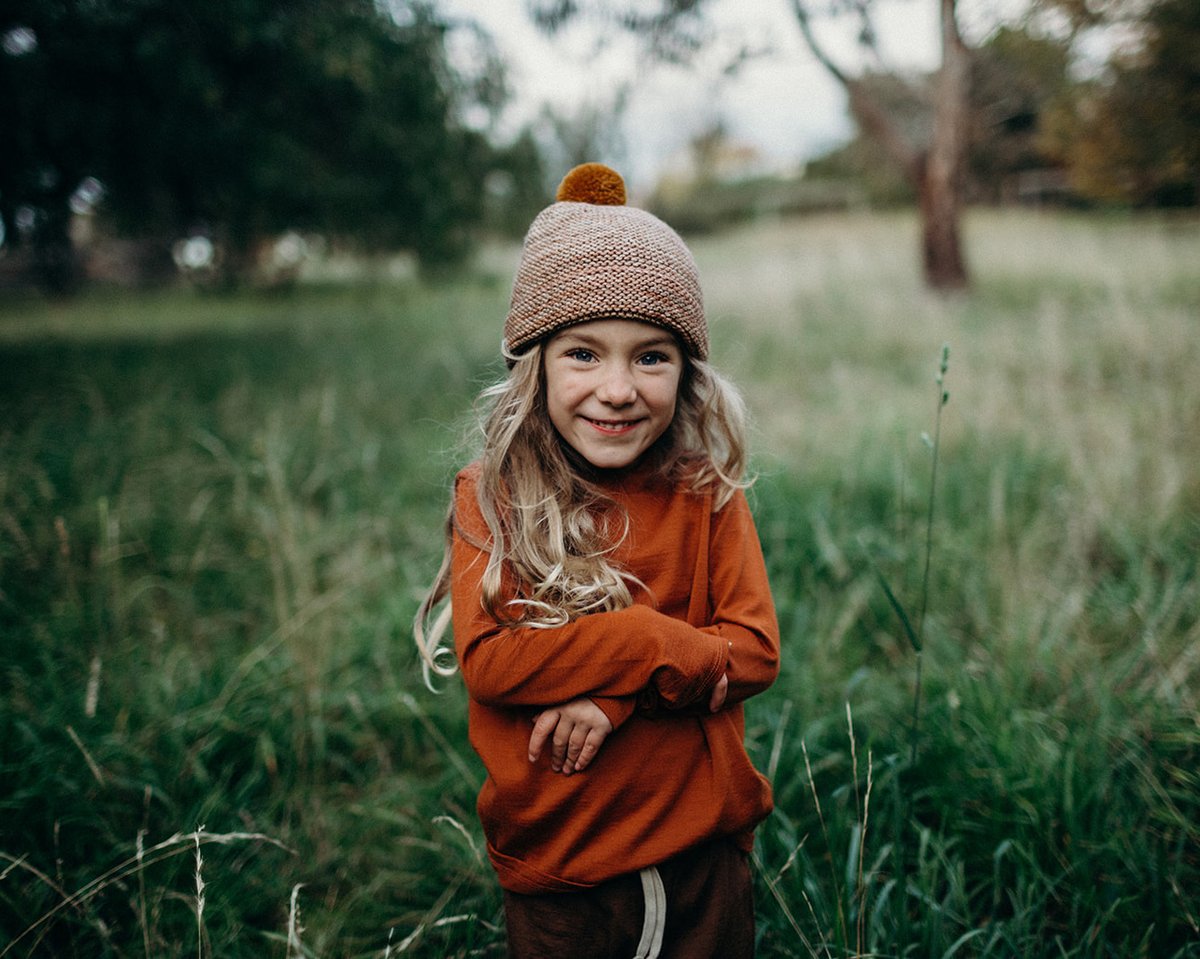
(584,261)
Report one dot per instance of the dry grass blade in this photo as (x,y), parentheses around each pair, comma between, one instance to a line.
(175,845)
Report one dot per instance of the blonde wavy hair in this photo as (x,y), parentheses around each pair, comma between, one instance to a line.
(551,526)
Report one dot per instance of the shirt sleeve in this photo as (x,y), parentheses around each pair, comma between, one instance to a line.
(609,655)
(616,708)
(742,612)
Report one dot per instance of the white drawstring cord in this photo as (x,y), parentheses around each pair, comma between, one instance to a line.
(656,914)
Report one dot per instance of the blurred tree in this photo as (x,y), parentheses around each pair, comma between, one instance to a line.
(591,132)
(907,101)
(1133,134)
(934,167)
(240,118)
(515,190)
(1018,78)
(674,29)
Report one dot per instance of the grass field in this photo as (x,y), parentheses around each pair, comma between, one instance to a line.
(217,515)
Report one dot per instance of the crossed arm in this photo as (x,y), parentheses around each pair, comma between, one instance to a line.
(583,680)
(575,731)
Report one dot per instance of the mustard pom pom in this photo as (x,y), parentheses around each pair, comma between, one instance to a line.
(592,183)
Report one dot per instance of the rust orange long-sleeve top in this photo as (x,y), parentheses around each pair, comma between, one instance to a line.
(666,778)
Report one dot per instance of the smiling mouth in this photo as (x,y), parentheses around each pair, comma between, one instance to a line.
(613,427)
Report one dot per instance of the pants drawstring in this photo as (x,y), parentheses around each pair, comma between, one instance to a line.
(655,922)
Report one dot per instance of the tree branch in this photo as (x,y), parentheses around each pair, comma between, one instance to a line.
(874,121)
(817,50)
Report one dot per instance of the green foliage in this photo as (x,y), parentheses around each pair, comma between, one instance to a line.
(243,118)
(1053,796)
(1018,78)
(217,513)
(213,539)
(1131,136)
(515,188)
(704,207)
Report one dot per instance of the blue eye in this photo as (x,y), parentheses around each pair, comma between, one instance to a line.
(580,354)
(653,359)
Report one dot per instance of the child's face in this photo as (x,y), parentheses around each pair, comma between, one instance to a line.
(611,387)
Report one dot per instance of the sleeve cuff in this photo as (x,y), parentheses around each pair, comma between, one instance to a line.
(617,708)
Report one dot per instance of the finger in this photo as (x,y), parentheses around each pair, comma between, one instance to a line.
(591,746)
(558,748)
(579,736)
(543,726)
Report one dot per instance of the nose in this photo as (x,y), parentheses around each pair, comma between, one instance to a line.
(617,387)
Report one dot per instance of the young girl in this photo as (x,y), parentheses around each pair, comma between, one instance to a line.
(609,602)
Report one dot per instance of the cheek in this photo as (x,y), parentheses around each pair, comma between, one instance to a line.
(666,401)
(671,393)
(562,396)
(560,392)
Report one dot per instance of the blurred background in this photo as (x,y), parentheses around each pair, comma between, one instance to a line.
(255,257)
(252,141)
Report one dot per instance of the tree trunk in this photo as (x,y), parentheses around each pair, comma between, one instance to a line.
(941,245)
(936,173)
(939,176)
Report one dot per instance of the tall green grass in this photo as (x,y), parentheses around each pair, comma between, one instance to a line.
(217,514)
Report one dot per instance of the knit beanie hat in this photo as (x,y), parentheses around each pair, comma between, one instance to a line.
(588,256)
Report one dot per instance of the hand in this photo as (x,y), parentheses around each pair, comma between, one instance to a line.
(576,731)
(720,691)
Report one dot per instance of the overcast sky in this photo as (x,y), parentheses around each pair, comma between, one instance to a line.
(781,102)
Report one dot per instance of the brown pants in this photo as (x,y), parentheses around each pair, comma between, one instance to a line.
(698,905)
